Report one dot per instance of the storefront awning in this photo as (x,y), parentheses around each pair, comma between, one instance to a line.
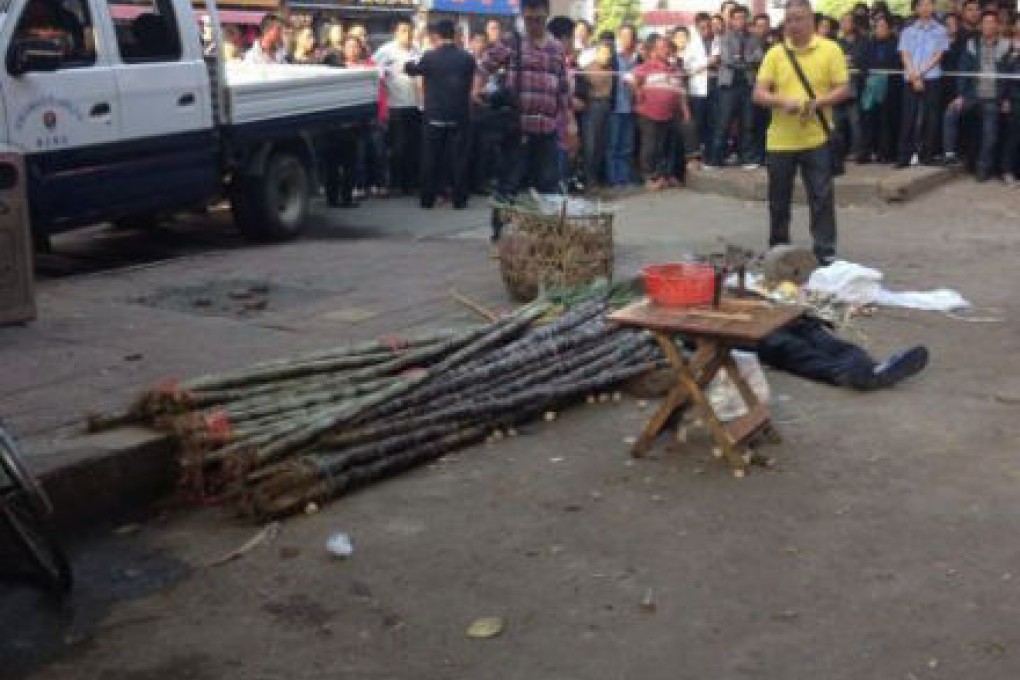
(227,16)
(403,6)
(495,7)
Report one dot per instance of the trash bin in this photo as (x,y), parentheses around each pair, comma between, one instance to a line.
(17,287)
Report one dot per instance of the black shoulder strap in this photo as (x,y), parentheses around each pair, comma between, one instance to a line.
(807,87)
(520,59)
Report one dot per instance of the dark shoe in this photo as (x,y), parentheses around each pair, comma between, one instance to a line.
(896,368)
(951,161)
(428,205)
(901,165)
(459,205)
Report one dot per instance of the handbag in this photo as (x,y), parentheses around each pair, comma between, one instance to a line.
(833,140)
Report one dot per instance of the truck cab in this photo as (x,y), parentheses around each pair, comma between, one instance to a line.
(118,122)
(116,113)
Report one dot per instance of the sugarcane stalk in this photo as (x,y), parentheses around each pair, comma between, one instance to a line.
(330,487)
(490,367)
(278,370)
(593,348)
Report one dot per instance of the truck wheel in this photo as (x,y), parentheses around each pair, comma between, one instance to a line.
(273,206)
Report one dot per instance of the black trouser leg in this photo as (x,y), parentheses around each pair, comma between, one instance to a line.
(809,350)
(816,171)
(729,100)
(748,132)
(908,125)
(348,157)
(433,154)
(458,147)
(405,136)
(931,120)
(654,152)
(596,140)
(782,168)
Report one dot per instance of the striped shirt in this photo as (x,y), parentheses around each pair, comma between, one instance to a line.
(541,86)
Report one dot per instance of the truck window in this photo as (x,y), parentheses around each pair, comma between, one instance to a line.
(146,31)
(66,22)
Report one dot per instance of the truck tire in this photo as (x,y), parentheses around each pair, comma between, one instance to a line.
(274,205)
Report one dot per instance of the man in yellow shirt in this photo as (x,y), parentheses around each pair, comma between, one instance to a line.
(796,138)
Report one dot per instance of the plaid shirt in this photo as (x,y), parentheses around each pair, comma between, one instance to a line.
(542,87)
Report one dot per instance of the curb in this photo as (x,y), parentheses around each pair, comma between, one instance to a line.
(753,186)
(95,477)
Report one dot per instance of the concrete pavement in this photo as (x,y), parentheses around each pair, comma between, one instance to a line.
(875,549)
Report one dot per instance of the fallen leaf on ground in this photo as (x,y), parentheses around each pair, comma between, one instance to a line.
(485,627)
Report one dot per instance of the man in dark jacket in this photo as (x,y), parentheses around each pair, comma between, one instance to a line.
(448,72)
(983,93)
(740,52)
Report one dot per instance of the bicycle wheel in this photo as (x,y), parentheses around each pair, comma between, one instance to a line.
(51,568)
(24,513)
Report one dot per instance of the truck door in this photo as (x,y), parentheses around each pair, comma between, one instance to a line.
(166,114)
(61,106)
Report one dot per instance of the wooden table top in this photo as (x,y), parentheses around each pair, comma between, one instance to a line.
(736,320)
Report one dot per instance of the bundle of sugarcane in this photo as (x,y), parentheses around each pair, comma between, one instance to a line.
(286,433)
(230,423)
(419,434)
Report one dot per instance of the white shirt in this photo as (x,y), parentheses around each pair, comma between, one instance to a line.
(256,55)
(586,57)
(401,89)
(695,60)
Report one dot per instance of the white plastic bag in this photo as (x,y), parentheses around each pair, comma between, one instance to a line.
(724,396)
(847,282)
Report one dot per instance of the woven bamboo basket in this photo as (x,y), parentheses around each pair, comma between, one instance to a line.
(539,250)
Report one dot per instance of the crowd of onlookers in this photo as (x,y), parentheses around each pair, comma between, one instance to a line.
(928,89)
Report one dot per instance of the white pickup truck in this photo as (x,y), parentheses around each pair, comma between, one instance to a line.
(110,111)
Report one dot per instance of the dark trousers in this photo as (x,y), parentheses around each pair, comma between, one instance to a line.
(340,163)
(879,127)
(405,147)
(621,148)
(444,159)
(848,122)
(596,141)
(1011,152)
(372,164)
(702,123)
(529,160)
(735,102)
(921,122)
(485,152)
(683,144)
(808,349)
(988,113)
(655,150)
(816,172)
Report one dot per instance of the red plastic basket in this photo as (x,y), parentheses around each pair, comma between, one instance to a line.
(679,285)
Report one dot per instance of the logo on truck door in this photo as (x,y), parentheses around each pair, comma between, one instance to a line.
(52,111)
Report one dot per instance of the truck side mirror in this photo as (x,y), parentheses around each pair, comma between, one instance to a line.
(36,54)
